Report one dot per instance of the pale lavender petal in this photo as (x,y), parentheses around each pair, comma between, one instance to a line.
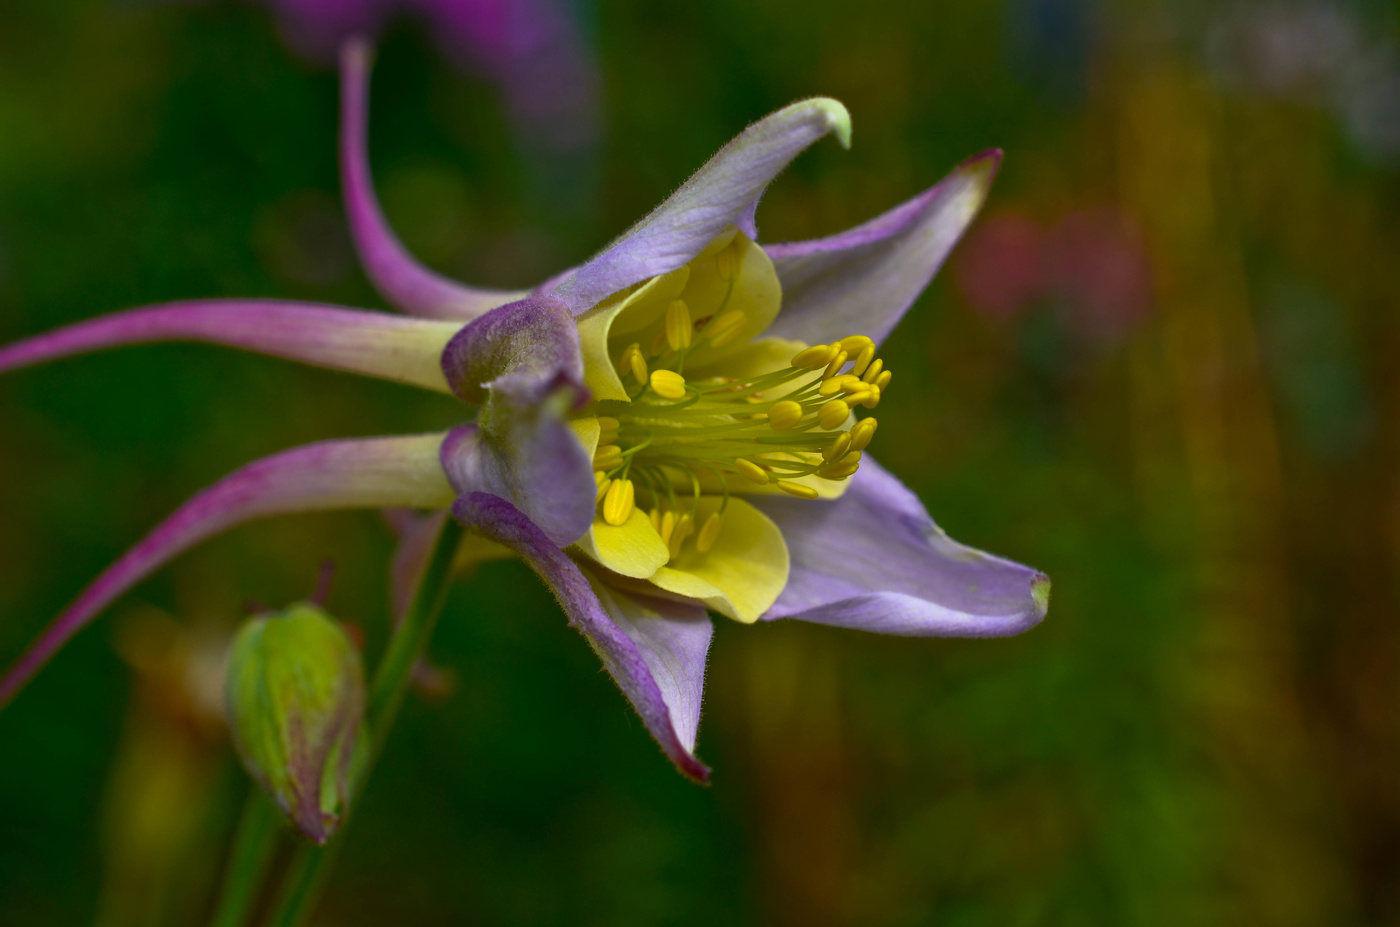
(522,364)
(717,196)
(862,281)
(369,343)
(875,561)
(366,473)
(401,279)
(658,660)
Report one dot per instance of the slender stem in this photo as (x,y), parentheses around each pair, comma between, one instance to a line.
(254,843)
(312,864)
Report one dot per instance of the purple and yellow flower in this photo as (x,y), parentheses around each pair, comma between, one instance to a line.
(666,431)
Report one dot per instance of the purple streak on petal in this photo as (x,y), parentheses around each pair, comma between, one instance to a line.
(366,473)
(715,197)
(674,641)
(875,561)
(402,280)
(863,280)
(370,343)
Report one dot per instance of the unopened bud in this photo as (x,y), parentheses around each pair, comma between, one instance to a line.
(296,700)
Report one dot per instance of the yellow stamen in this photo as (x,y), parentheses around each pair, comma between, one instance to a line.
(854,344)
(608,428)
(874,399)
(838,448)
(632,360)
(861,433)
(850,383)
(797,489)
(837,384)
(617,504)
(883,380)
(656,520)
(678,330)
(726,328)
(863,359)
(873,371)
(752,470)
(836,364)
(709,533)
(607,457)
(862,397)
(668,384)
(784,415)
(603,483)
(833,414)
(668,525)
(838,471)
(818,355)
(684,526)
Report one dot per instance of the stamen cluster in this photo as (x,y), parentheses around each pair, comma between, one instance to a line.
(680,438)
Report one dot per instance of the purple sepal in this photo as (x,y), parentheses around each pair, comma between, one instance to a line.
(873,560)
(521,363)
(717,196)
(402,280)
(673,639)
(366,473)
(371,343)
(863,280)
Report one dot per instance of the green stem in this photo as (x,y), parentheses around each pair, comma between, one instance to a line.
(253,846)
(311,865)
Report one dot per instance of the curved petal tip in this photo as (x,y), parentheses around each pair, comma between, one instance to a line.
(838,118)
(1040,595)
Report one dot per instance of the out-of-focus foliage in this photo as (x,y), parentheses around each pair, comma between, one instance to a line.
(1162,369)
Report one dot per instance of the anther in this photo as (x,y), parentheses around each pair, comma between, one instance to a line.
(655,515)
(837,384)
(838,448)
(873,371)
(684,526)
(833,414)
(797,489)
(883,380)
(838,471)
(818,355)
(607,457)
(725,328)
(784,416)
(850,383)
(709,533)
(632,360)
(668,525)
(836,364)
(617,504)
(854,344)
(608,428)
(863,359)
(874,399)
(861,398)
(668,384)
(861,433)
(602,482)
(752,471)
(677,325)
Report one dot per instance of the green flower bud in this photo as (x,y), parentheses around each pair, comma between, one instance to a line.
(296,701)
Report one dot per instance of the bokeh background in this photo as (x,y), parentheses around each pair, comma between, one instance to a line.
(1162,368)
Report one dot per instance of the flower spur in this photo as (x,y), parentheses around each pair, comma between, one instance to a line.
(664,431)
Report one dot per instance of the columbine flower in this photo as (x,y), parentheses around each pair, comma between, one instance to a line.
(665,431)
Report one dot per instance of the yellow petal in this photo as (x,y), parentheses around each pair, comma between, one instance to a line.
(616,317)
(757,294)
(630,549)
(742,574)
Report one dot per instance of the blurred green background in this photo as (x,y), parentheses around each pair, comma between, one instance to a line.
(1162,369)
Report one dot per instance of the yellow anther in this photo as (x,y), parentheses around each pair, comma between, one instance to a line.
(656,520)
(873,371)
(632,360)
(724,262)
(752,471)
(850,383)
(797,489)
(658,343)
(818,355)
(863,359)
(668,384)
(603,483)
(883,380)
(784,415)
(849,459)
(854,344)
(833,414)
(836,364)
(668,525)
(709,533)
(608,428)
(837,384)
(618,502)
(874,399)
(861,398)
(725,328)
(684,526)
(838,471)
(838,448)
(678,330)
(861,433)
(607,457)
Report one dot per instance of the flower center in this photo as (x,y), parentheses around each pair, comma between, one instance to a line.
(678,439)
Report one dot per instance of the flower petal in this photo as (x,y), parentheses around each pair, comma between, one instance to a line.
(863,280)
(742,574)
(654,650)
(366,473)
(875,561)
(717,196)
(369,343)
(403,281)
